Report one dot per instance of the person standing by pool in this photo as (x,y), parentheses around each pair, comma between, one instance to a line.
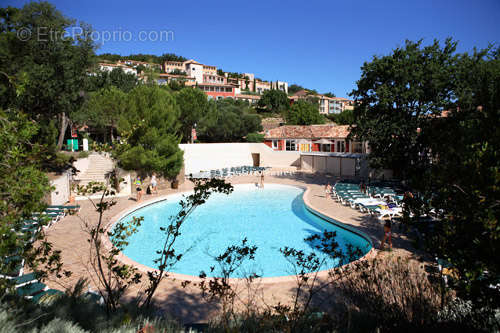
(387,235)
(138,184)
(328,191)
(154,184)
(362,187)
(262,179)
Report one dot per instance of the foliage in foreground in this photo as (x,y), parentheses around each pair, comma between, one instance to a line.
(22,189)
(432,116)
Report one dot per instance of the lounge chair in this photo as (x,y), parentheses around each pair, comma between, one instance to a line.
(23,279)
(31,289)
(17,266)
(389,213)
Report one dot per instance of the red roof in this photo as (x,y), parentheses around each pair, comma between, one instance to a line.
(308,132)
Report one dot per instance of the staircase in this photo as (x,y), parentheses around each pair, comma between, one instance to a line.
(99,166)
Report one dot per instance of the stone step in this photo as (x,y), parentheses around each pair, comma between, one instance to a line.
(95,172)
(84,177)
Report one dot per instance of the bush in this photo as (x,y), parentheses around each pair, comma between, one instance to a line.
(83,154)
(255,137)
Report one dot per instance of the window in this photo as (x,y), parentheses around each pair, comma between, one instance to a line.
(357,147)
(340,146)
(291,145)
(326,148)
(275,144)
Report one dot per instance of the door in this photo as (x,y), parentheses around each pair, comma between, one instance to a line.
(256,159)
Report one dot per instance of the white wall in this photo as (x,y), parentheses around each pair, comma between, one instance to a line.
(207,156)
(60,194)
(196,71)
(348,167)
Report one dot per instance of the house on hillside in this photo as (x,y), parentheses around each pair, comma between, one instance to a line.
(313,138)
(165,78)
(326,105)
(107,67)
(192,68)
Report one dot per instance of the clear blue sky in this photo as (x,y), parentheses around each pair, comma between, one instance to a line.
(318,44)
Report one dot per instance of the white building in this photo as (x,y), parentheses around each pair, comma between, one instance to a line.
(109,67)
(280,85)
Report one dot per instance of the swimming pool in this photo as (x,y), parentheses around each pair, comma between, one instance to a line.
(270,218)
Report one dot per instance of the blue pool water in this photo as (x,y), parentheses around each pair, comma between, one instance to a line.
(270,218)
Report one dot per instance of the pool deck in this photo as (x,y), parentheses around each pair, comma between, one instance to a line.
(69,236)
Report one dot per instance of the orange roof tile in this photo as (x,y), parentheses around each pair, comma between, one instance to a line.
(308,132)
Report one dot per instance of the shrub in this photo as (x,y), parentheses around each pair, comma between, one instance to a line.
(255,137)
(83,154)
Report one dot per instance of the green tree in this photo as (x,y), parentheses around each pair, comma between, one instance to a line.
(462,184)
(329,94)
(294,88)
(23,187)
(395,95)
(151,58)
(275,101)
(150,127)
(171,57)
(255,137)
(107,79)
(344,118)
(177,85)
(228,121)
(303,113)
(193,104)
(50,68)
(121,80)
(452,162)
(103,109)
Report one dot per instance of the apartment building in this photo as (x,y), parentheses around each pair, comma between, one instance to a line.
(251,99)
(135,63)
(218,90)
(209,70)
(165,78)
(171,66)
(261,86)
(326,105)
(280,85)
(214,78)
(192,68)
